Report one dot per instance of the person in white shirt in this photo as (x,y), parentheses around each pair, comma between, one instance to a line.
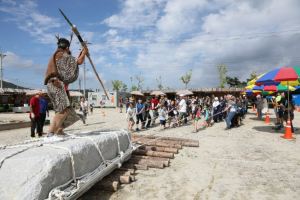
(182,108)
(130,117)
(84,109)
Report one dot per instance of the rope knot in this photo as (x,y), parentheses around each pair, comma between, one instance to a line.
(119,165)
(121,153)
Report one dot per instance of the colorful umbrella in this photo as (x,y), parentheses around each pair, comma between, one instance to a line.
(260,88)
(287,76)
(279,88)
(244,92)
(256,92)
(282,75)
(252,82)
(249,87)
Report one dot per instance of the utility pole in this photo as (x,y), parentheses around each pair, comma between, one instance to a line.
(130,83)
(84,69)
(17,83)
(79,84)
(84,78)
(1,70)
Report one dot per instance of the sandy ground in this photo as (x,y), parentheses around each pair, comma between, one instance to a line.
(249,162)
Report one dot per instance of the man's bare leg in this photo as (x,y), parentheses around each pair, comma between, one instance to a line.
(58,120)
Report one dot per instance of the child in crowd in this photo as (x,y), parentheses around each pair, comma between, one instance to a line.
(91,108)
(195,115)
(130,117)
(171,112)
(162,117)
(208,117)
(140,108)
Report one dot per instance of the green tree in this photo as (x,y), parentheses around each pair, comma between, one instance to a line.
(116,84)
(124,88)
(187,78)
(148,88)
(232,82)
(235,82)
(159,82)
(134,88)
(168,88)
(222,70)
(140,81)
(242,84)
(253,75)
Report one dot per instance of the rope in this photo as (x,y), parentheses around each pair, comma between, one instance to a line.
(77,184)
(121,153)
(71,156)
(17,152)
(97,147)
(178,121)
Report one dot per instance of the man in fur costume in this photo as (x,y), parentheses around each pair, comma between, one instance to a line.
(62,70)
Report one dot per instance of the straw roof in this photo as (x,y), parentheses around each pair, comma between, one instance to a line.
(138,93)
(17,91)
(75,94)
(198,90)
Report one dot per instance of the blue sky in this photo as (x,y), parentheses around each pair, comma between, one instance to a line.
(152,38)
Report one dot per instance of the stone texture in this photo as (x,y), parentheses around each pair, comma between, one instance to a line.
(33,173)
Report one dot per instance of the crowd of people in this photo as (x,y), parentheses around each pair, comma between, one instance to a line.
(283,105)
(173,113)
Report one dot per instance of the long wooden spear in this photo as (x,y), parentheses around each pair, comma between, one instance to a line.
(83,44)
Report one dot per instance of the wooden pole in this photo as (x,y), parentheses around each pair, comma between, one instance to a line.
(155,159)
(97,76)
(149,163)
(135,166)
(163,149)
(154,153)
(107,185)
(121,179)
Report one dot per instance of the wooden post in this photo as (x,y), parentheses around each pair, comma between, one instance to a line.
(107,185)
(154,153)
(149,163)
(121,179)
(163,149)
(127,169)
(157,159)
(135,166)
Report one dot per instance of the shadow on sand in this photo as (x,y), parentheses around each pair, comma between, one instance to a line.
(273,129)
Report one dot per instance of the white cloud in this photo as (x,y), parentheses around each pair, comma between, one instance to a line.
(111,32)
(135,14)
(168,37)
(180,17)
(9,2)
(216,32)
(14,62)
(29,19)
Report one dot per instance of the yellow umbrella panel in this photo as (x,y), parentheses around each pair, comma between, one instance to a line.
(252,82)
(291,83)
(249,87)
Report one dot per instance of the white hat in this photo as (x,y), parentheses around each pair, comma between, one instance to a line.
(258,96)
(244,95)
(182,95)
(216,98)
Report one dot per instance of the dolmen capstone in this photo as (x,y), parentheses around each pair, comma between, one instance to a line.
(61,168)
